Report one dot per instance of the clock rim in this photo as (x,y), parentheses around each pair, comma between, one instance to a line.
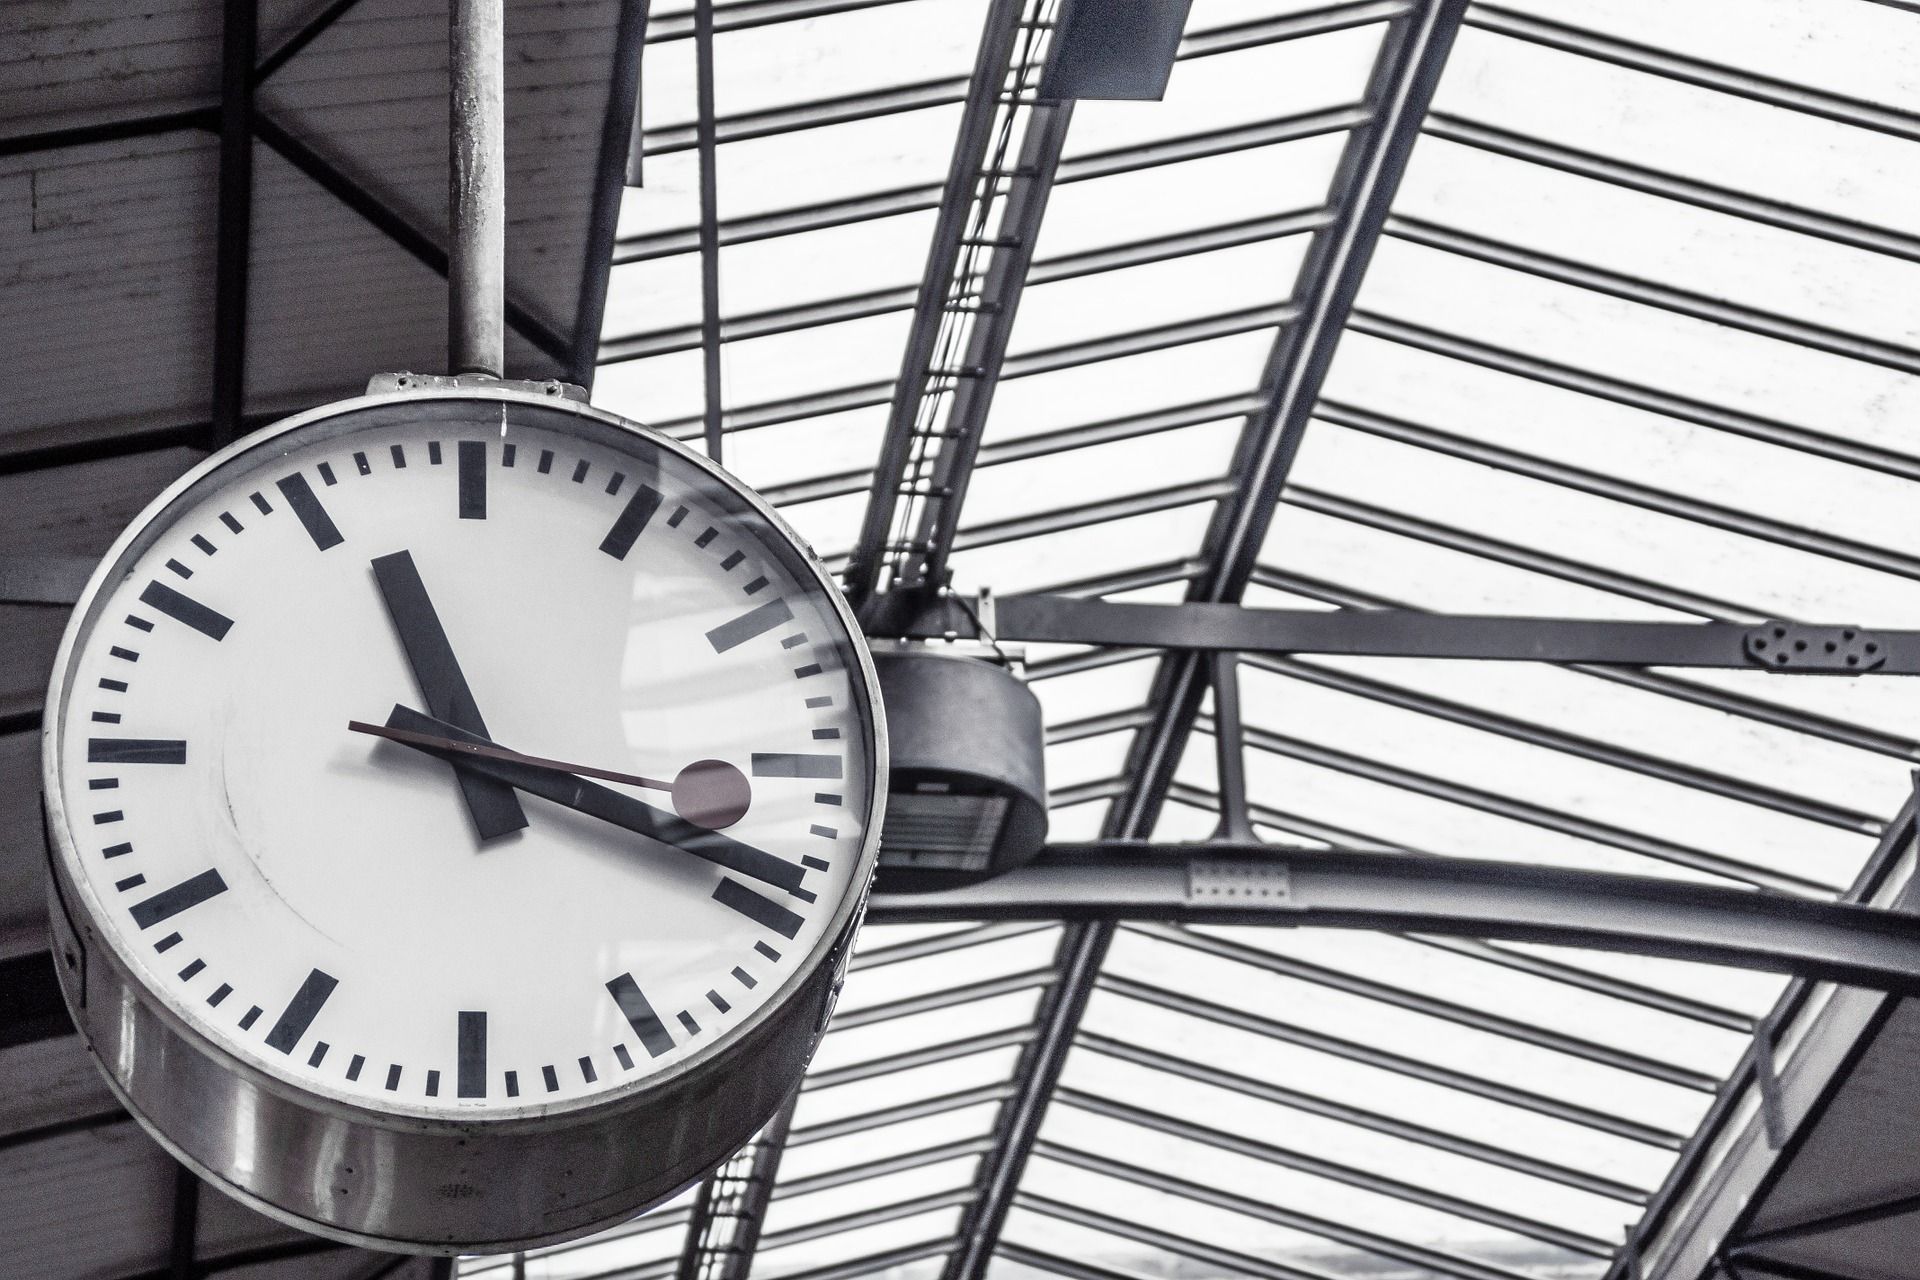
(76,893)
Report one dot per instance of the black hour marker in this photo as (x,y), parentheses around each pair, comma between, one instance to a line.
(393,1077)
(794,764)
(826,797)
(186,610)
(686,1020)
(114,686)
(715,999)
(361,464)
(138,623)
(116,850)
(179,568)
(433,452)
(757,907)
(811,669)
(250,1017)
(471,1079)
(546,461)
(766,951)
(167,943)
(646,1024)
(353,1067)
(301,1010)
(433,1084)
(319,1052)
(706,536)
(619,478)
(580,471)
(473,481)
(794,641)
(744,978)
(190,970)
(106,717)
(828,832)
(825,735)
(733,558)
(754,622)
(136,751)
(233,526)
(220,993)
(626,1059)
(631,522)
(399,456)
(307,509)
(507,452)
(205,546)
(587,1072)
(818,864)
(823,700)
(103,784)
(552,1079)
(755,587)
(513,1084)
(111,815)
(126,655)
(190,892)
(265,508)
(679,514)
(326,473)
(131,882)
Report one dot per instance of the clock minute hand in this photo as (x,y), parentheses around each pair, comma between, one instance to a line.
(491,803)
(565,788)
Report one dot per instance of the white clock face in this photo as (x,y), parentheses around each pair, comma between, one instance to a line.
(343,908)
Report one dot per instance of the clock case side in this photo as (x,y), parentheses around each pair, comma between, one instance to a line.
(434,1183)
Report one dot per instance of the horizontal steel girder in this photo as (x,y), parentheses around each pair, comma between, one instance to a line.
(1407,633)
(1256,884)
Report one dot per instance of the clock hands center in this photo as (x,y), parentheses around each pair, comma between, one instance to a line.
(564,787)
(708,793)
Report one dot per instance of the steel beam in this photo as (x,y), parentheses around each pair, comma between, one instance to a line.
(728,1213)
(617,130)
(239,40)
(1403,633)
(946,251)
(705,132)
(1225,883)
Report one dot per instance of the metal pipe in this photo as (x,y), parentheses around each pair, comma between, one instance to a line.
(477,188)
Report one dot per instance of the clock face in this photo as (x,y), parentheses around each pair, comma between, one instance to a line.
(660,822)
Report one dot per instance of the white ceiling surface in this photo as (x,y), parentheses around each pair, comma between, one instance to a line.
(1499,473)
(106,305)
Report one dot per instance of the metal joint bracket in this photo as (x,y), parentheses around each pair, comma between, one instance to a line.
(388,383)
(1239,881)
(1792,646)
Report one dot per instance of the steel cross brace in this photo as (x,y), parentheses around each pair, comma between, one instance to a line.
(1232,882)
(1790,647)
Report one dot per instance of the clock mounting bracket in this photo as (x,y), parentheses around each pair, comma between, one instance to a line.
(390,383)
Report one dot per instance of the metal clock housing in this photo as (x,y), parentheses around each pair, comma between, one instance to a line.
(348,1103)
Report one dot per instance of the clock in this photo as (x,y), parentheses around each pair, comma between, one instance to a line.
(460,804)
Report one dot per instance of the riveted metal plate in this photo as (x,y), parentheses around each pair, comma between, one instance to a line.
(1788,646)
(1240,881)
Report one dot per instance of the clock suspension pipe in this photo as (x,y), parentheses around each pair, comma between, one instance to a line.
(477,188)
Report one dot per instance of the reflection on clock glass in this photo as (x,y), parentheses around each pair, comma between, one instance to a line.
(665,768)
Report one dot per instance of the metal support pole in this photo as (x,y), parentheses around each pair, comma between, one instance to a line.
(1230,751)
(477,190)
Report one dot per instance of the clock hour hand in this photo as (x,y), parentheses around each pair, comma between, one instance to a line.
(567,789)
(491,803)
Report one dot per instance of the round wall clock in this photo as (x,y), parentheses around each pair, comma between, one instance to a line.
(460,805)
